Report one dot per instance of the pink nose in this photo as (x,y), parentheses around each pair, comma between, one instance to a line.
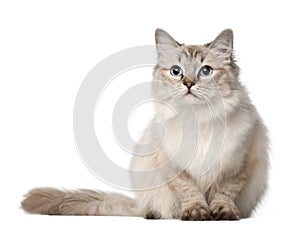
(188,84)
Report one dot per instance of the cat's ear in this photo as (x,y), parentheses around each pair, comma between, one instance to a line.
(164,39)
(223,44)
(166,48)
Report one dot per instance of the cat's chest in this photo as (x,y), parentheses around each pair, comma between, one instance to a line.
(207,150)
(203,150)
(185,140)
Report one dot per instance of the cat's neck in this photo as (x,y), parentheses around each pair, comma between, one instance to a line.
(202,113)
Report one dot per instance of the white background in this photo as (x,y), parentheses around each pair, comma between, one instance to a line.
(47,48)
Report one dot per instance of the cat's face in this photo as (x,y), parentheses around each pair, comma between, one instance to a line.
(195,74)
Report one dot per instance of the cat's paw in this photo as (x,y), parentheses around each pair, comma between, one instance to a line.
(152,214)
(196,212)
(223,211)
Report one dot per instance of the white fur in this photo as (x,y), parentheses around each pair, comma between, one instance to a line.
(237,141)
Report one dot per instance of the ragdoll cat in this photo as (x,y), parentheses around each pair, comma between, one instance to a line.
(201,83)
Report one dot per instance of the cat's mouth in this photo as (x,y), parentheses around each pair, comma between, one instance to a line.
(190,93)
(190,96)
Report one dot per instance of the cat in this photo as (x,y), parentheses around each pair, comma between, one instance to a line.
(201,82)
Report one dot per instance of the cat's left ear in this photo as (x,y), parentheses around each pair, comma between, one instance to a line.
(223,44)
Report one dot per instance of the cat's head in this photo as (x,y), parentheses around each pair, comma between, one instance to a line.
(195,74)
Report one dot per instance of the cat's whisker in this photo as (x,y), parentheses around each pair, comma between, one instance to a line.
(208,106)
(216,112)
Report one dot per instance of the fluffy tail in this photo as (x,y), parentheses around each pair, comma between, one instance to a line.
(81,202)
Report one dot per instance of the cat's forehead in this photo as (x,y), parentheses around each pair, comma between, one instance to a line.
(187,56)
(193,52)
(192,56)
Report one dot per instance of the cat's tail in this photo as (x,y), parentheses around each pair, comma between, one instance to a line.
(81,202)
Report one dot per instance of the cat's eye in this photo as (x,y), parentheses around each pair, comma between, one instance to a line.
(205,71)
(176,71)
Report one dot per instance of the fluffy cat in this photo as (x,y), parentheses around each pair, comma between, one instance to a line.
(201,83)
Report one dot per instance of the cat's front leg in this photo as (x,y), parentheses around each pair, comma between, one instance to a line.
(192,201)
(222,197)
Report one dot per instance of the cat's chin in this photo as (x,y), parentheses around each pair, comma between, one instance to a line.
(191,98)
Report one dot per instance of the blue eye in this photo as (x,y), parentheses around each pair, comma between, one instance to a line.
(205,71)
(176,71)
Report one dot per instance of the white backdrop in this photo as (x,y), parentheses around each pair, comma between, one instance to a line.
(47,48)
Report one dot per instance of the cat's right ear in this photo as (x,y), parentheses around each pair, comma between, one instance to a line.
(166,47)
(164,39)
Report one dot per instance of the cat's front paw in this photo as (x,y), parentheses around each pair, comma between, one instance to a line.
(223,211)
(196,212)
(152,214)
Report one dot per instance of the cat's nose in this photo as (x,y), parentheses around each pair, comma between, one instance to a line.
(188,83)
